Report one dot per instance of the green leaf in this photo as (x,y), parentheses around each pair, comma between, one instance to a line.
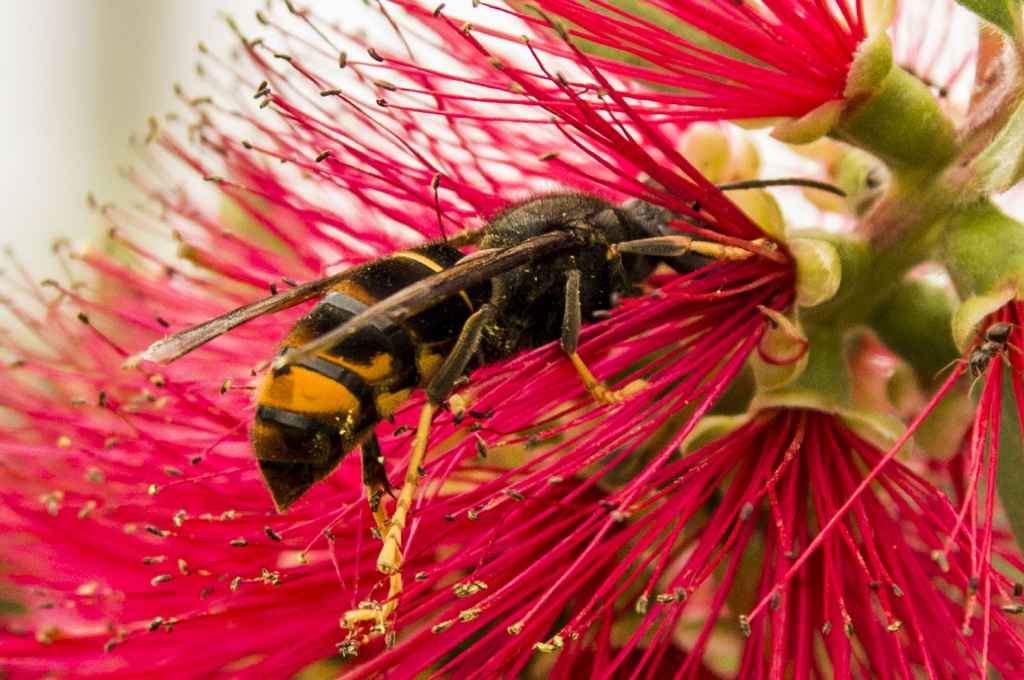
(1010,473)
(1003,13)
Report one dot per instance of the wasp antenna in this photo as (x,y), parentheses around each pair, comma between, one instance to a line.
(435,183)
(478,254)
(782,182)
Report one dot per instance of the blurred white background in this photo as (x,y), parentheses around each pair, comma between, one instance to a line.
(78,77)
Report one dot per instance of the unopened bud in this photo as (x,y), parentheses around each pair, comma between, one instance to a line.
(762,209)
(818,270)
(706,146)
(782,353)
(811,126)
(871,64)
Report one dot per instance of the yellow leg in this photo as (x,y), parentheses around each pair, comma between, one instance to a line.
(389,561)
(571,321)
(375,614)
(598,390)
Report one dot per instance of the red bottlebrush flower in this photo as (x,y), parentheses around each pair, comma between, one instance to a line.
(133,515)
(993,443)
(734,60)
(651,591)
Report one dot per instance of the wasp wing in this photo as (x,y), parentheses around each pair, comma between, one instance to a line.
(471,271)
(175,346)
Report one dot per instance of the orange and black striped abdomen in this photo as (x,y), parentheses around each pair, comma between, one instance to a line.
(311,415)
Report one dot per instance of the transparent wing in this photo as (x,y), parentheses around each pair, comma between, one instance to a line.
(175,346)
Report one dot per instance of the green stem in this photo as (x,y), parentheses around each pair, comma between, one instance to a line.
(913,323)
(902,124)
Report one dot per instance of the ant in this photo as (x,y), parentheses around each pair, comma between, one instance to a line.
(996,342)
(997,338)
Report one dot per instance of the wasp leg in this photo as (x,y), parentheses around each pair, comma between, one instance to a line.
(678,245)
(570,339)
(376,484)
(389,561)
(375,481)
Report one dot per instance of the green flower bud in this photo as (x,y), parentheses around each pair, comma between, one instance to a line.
(862,177)
(972,312)
(782,354)
(881,429)
(709,429)
(912,323)
(818,270)
(745,161)
(706,146)
(824,385)
(811,126)
(870,66)
(762,209)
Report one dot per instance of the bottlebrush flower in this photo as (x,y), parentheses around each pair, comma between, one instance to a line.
(648,592)
(990,453)
(730,60)
(550,536)
(133,515)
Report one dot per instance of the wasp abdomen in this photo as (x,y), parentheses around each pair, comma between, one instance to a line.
(309,416)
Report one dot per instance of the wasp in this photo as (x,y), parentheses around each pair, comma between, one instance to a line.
(418,318)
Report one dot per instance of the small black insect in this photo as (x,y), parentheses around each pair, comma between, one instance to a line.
(997,338)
